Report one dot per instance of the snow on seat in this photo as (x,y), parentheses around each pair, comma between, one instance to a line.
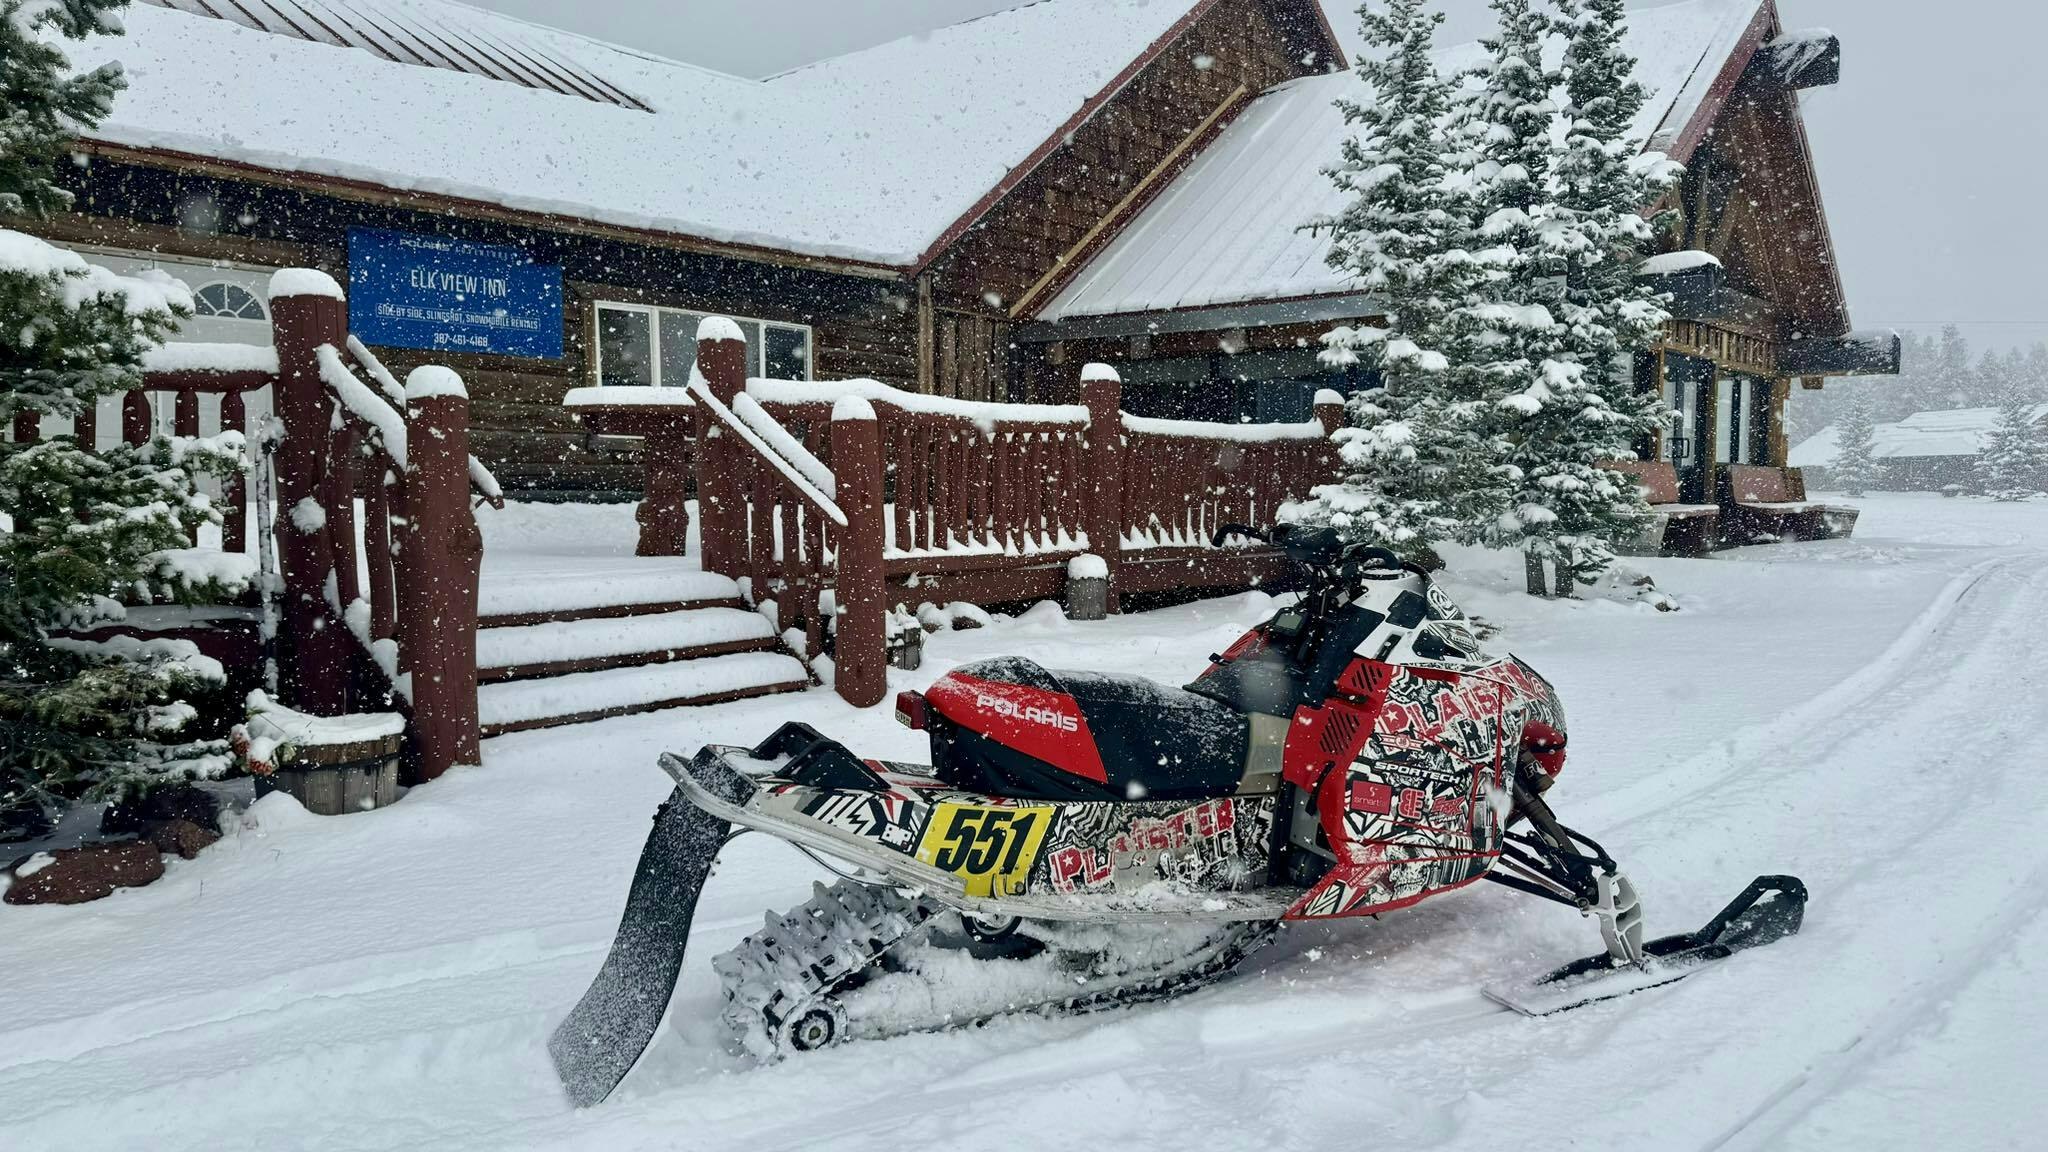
(578,697)
(581,645)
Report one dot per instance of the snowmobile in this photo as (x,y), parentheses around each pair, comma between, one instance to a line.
(1080,839)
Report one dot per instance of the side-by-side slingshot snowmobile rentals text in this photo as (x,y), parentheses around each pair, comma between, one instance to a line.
(1080,840)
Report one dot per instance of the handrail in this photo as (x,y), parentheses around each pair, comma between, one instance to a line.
(363,403)
(701,390)
(480,477)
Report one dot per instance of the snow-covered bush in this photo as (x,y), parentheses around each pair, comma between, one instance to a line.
(84,528)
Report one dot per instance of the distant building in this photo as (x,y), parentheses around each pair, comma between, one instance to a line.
(1925,452)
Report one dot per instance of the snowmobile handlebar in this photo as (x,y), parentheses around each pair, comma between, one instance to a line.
(1318,548)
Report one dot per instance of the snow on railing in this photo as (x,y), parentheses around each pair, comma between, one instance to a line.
(219,358)
(364,403)
(984,415)
(701,389)
(791,449)
(480,477)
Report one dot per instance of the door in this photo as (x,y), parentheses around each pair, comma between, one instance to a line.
(1687,445)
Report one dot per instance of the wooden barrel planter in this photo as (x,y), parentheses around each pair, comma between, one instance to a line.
(333,765)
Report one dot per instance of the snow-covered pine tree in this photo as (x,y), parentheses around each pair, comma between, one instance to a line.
(2014,463)
(1569,507)
(1855,466)
(1404,448)
(80,527)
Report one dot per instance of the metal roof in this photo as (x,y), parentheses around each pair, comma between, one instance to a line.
(1228,229)
(405,33)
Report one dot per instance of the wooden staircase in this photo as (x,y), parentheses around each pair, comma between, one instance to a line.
(552,652)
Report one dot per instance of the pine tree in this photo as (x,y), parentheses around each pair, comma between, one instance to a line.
(1855,467)
(82,527)
(2014,463)
(1568,507)
(1949,382)
(1406,448)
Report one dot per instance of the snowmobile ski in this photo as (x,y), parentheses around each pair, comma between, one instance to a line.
(1770,909)
(605,1034)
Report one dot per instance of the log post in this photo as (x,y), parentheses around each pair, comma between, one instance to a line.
(185,413)
(234,495)
(721,514)
(1329,410)
(85,427)
(1103,493)
(664,513)
(440,562)
(135,418)
(861,661)
(27,426)
(307,310)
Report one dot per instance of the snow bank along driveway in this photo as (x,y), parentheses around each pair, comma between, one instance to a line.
(1867,714)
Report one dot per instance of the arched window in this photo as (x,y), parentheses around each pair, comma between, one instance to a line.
(230,300)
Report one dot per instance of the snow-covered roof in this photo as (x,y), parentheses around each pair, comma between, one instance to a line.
(1228,229)
(406,33)
(869,157)
(1945,432)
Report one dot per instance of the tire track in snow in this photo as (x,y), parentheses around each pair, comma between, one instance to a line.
(1792,1101)
(1744,752)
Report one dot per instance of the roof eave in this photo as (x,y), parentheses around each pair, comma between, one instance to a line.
(364,191)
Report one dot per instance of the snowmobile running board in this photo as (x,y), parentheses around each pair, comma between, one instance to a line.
(1770,909)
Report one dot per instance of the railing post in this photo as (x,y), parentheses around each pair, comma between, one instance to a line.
(441,559)
(861,658)
(307,310)
(135,418)
(1329,410)
(721,516)
(234,495)
(27,426)
(1102,392)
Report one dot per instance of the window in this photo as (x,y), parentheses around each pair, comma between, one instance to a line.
(230,300)
(642,346)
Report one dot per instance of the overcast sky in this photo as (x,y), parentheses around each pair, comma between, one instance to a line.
(1930,150)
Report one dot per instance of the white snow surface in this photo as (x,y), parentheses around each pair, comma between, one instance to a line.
(633,395)
(913,132)
(198,357)
(291,281)
(983,414)
(1859,713)
(621,636)
(430,381)
(1665,263)
(272,721)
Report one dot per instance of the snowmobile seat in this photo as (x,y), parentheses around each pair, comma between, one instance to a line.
(1154,742)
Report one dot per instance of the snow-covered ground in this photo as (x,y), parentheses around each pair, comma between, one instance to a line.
(1862,713)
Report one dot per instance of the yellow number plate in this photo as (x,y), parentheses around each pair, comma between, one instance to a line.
(990,848)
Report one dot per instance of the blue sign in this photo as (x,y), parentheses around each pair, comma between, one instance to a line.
(441,294)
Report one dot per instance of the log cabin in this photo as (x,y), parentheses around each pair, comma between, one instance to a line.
(974,212)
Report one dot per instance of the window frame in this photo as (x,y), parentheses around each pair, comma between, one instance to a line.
(262,306)
(654,313)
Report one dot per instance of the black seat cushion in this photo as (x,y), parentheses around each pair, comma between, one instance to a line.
(1156,742)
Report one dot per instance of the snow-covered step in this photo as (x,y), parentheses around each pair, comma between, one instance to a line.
(587,645)
(520,704)
(534,597)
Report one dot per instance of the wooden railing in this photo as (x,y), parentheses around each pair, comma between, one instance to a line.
(403,453)
(881,495)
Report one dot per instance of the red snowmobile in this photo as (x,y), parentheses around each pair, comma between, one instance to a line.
(1080,839)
